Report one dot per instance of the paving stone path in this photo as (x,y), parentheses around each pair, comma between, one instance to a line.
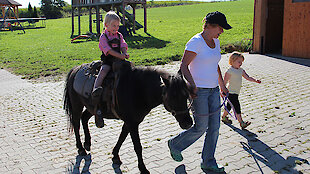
(34,136)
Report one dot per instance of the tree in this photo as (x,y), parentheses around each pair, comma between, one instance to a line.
(51,9)
(35,12)
(30,11)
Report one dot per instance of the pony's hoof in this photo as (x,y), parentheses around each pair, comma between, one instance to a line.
(82,152)
(99,120)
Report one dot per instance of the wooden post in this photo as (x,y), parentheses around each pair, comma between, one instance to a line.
(90,21)
(79,19)
(145,22)
(123,12)
(3,11)
(134,17)
(72,13)
(98,19)
(17,11)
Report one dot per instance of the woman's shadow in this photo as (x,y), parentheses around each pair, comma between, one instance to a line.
(74,168)
(263,153)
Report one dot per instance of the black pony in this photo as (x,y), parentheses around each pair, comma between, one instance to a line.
(139,90)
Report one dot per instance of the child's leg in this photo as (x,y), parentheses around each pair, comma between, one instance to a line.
(225,114)
(102,73)
(239,118)
(236,104)
(235,101)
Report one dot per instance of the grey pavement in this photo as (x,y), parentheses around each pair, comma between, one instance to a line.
(34,136)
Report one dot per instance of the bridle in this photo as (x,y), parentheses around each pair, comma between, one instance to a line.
(174,112)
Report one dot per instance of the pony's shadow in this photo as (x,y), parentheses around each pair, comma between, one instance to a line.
(263,153)
(74,168)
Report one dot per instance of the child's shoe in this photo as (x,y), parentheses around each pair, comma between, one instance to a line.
(243,124)
(226,120)
(96,96)
(99,119)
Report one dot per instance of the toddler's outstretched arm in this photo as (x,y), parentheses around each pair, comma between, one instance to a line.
(246,76)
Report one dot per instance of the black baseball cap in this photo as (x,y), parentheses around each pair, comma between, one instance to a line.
(218,18)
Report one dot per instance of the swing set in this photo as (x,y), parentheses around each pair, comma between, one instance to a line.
(9,14)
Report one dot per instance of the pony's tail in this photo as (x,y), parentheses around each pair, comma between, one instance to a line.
(67,102)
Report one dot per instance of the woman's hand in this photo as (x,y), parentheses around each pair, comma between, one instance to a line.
(224,91)
(193,92)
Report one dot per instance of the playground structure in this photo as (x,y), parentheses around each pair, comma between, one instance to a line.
(9,14)
(128,20)
(9,19)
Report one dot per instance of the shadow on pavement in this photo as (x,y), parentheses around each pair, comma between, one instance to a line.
(263,153)
(300,61)
(74,168)
(181,170)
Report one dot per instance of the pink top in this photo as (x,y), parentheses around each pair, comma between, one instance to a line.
(103,42)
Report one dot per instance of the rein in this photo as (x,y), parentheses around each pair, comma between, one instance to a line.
(225,107)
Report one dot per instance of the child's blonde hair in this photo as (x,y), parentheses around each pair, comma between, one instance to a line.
(110,16)
(234,56)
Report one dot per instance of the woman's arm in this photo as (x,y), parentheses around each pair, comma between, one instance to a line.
(246,76)
(221,81)
(187,58)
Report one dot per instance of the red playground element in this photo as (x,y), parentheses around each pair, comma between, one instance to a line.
(81,37)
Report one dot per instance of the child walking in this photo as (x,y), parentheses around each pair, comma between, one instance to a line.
(113,47)
(233,76)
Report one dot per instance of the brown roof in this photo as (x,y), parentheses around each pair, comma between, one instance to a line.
(9,2)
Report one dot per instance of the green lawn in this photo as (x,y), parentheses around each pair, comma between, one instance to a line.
(48,51)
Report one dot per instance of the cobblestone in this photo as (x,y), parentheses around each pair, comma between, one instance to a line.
(34,137)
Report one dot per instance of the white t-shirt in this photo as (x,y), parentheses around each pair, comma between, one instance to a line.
(204,66)
(235,80)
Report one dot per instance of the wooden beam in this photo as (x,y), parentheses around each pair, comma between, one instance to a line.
(72,19)
(145,22)
(98,19)
(90,20)
(79,20)
(134,17)
(123,12)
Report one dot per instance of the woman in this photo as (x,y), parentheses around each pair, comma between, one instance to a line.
(201,70)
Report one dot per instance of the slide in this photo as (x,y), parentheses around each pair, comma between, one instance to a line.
(130,18)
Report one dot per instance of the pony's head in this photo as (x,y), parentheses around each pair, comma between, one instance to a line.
(175,95)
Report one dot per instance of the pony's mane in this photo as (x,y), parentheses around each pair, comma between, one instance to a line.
(176,81)
(151,72)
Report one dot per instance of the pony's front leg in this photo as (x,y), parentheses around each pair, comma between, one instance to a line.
(85,117)
(116,160)
(134,133)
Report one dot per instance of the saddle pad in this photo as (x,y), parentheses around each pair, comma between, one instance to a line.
(84,82)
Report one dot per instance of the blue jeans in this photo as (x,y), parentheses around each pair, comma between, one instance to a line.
(207,101)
